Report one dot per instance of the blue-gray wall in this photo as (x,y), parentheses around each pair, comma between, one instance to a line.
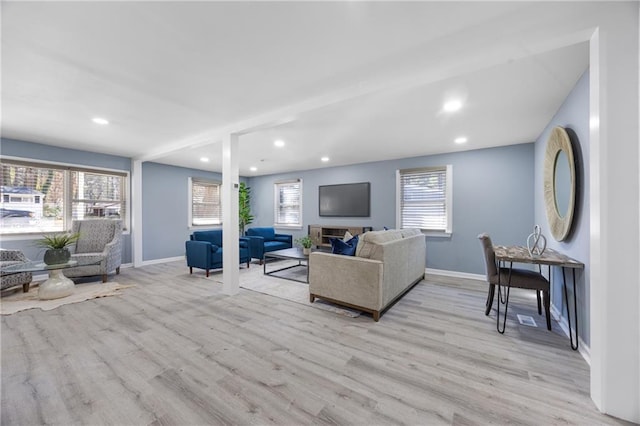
(35,151)
(165,204)
(574,115)
(492,192)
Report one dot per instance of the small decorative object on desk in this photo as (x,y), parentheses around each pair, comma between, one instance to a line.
(306,242)
(536,242)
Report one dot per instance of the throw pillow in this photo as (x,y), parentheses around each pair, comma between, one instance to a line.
(340,247)
(347,236)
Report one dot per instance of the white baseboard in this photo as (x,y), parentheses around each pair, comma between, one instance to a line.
(165,260)
(455,274)
(583,348)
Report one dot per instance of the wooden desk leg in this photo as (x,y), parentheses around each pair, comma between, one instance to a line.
(575,307)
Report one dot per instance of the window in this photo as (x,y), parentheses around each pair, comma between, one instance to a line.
(425,198)
(205,203)
(288,204)
(39,197)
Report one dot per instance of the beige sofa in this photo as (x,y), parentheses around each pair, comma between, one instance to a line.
(386,265)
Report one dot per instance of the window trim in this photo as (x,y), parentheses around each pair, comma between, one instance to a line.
(448,231)
(191,181)
(68,195)
(276,205)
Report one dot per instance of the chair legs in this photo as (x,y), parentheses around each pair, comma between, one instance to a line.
(544,300)
(489,303)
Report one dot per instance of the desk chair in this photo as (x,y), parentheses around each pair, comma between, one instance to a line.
(513,277)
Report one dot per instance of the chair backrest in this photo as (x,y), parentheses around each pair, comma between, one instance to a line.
(214,236)
(95,234)
(489,256)
(268,233)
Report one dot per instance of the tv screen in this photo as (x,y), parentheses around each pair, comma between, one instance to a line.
(346,200)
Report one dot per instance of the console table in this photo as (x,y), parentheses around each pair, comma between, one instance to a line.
(321,234)
(550,258)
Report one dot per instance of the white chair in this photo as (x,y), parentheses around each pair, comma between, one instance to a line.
(98,249)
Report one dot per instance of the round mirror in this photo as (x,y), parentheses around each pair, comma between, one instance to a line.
(559,183)
(562,183)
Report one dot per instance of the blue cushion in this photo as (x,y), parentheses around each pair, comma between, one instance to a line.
(214,236)
(268,233)
(340,247)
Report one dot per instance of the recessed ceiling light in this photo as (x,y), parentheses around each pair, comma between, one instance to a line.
(204,159)
(452,105)
(279,143)
(100,121)
(461,139)
(253,169)
(325,159)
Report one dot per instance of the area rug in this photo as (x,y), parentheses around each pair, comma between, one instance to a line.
(254,279)
(19,301)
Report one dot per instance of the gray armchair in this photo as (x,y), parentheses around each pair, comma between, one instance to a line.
(100,244)
(12,257)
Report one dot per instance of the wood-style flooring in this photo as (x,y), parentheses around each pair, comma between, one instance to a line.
(173,350)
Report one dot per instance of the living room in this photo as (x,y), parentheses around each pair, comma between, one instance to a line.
(506,203)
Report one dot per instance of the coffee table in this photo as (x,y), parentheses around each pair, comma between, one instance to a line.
(294,253)
(57,285)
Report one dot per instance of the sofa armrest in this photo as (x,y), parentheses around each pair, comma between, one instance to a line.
(244,242)
(12,255)
(256,246)
(285,238)
(198,254)
(347,279)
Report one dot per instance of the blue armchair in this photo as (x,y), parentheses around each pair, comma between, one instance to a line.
(204,250)
(262,240)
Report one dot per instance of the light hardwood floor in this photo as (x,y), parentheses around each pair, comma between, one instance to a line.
(174,350)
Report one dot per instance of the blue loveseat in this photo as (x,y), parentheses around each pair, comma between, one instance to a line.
(262,240)
(204,250)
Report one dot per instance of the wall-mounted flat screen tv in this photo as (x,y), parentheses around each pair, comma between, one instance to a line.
(345,200)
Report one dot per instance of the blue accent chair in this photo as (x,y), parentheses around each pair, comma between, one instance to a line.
(263,240)
(204,250)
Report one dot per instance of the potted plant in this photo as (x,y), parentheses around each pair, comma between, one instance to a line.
(306,242)
(244,207)
(56,245)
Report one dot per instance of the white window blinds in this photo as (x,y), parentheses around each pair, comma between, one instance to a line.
(288,203)
(205,203)
(425,198)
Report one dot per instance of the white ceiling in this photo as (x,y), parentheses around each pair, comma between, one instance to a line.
(354,81)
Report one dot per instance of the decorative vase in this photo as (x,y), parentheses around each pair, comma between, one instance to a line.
(57,256)
(306,251)
(536,242)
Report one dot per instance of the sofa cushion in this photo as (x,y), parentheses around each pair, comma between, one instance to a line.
(94,235)
(268,233)
(275,245)
(214,236)
(369,241)
(340,247)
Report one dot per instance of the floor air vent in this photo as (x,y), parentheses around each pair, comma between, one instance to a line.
(527,320)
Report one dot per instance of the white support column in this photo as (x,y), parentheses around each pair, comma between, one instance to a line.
(615,212)
(136,211)
(230,233)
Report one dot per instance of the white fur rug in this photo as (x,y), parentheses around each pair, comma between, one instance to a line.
(254,279)
(18,301)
